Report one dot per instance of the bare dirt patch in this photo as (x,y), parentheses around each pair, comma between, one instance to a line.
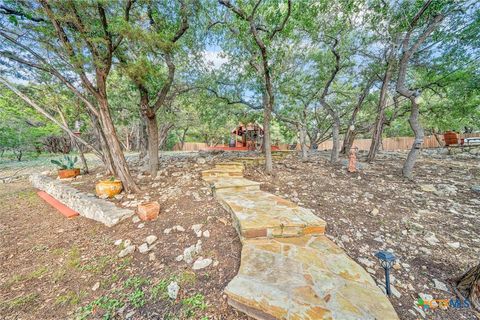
(50,264)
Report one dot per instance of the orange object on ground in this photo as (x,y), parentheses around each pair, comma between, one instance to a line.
(352,160)
(148,211)
(63,209)
(68,173)
(450,138)
(109,188)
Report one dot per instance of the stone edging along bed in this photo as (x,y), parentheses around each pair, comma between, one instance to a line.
(86,205)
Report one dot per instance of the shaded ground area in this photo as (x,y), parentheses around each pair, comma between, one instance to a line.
(55,268)
(50,265)
(432,224)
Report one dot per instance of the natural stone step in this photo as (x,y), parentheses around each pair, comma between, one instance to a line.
(289,269)
(222,173)
(262,214)
(251,160)
(235,185)
(304,278)
(230,165)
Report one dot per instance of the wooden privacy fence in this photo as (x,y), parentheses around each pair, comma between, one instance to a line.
(388,144)
(397,143)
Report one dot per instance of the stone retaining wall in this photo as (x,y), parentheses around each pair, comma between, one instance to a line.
(86,205)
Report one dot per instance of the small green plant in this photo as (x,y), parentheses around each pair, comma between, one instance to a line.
(72,298)
(159,291)
(67,162)
(137,298)
(136,282)
(193,304)
(112,178)
(106,304)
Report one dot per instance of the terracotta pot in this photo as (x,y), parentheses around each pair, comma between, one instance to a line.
(109,188)
(68,173)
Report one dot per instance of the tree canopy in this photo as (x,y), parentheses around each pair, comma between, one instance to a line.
(143,75)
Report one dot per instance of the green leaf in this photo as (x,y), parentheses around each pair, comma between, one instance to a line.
(13,20)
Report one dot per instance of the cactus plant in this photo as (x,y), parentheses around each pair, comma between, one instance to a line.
(67,163)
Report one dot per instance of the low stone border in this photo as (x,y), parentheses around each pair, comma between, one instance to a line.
(86,205)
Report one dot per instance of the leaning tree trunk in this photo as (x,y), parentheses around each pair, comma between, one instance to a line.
(468,286)
(102,143)
(418,141)
(380,120)
(348,141)
(119,161)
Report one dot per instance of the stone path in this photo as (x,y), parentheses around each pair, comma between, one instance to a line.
(289,269)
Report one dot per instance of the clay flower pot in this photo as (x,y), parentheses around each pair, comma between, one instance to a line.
(68,173)
(109,188)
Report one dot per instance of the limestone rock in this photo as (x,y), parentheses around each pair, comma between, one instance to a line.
(125,252)
(197,229)
(428,187)
(431,238)
(440,285)
(135,219)
(143,248)
(151,239)
(201,263)
(454,245)
(87,206)
(172,290)
(96,286)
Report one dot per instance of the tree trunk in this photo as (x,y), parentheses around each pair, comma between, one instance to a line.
(468,286)
(303,140)
(417,143)
(106,155)
(335,133)
(73,141)
(348,141)
(437,137)
(335,141)
(127,140)
(163,134)
(119,163)
(152,130)
(267,140)
(380,120)
(142,143)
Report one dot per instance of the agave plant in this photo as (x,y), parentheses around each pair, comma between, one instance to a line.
(67,163)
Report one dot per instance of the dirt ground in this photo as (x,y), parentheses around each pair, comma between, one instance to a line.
(434,234)
(51,265)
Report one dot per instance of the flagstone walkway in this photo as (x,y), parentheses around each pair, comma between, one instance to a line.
(289,269)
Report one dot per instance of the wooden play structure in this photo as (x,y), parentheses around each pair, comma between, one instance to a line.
(245,137)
